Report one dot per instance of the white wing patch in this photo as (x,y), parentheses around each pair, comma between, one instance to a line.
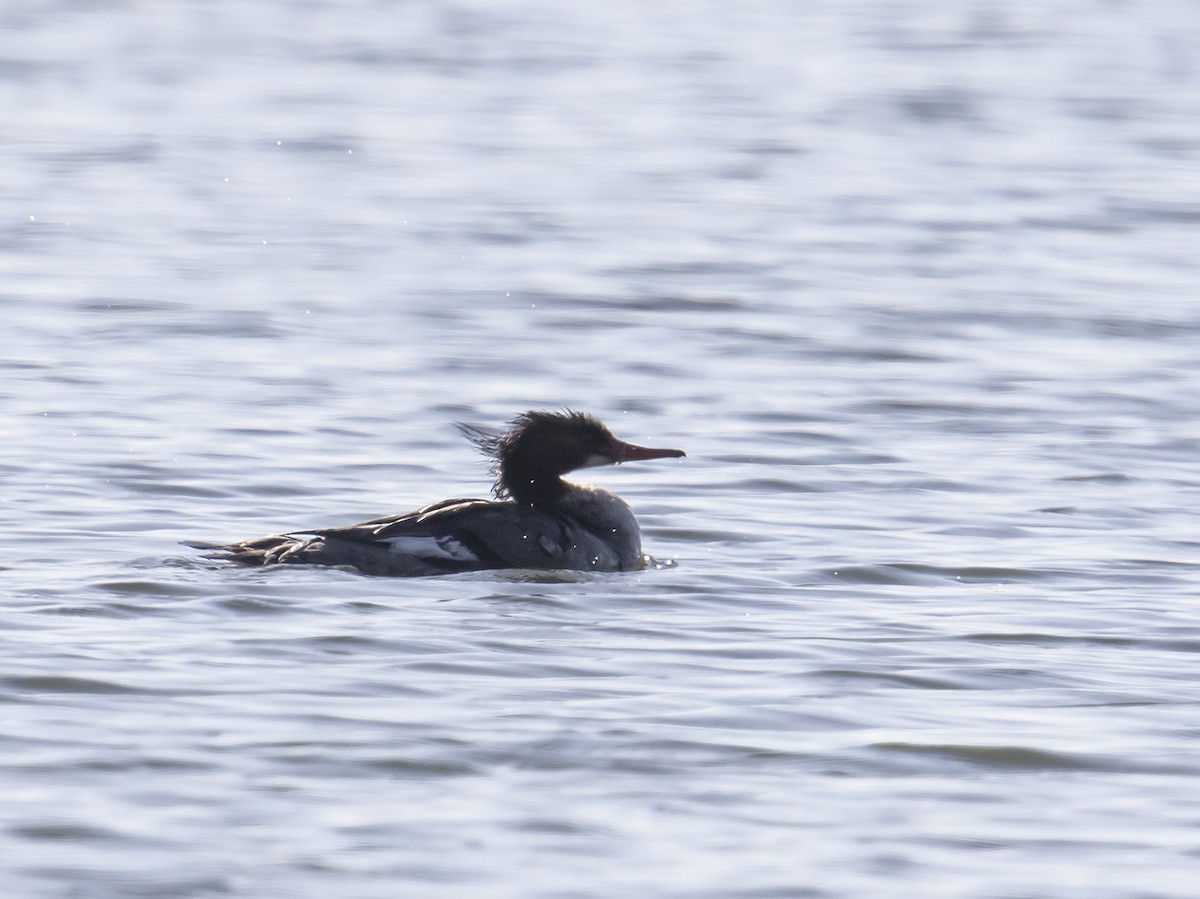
(431,548)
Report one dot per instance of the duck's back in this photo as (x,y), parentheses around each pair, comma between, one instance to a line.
(590,530)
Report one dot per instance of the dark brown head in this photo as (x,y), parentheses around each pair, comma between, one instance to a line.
(540,447)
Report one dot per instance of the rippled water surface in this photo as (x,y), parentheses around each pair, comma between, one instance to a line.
(915,285)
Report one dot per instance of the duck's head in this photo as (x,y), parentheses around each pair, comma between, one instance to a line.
(539,447)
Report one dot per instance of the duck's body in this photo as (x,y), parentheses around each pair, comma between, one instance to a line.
(538,520)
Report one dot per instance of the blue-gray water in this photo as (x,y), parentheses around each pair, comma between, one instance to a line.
(914,284)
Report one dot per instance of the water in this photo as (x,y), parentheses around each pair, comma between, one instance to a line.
(913,284)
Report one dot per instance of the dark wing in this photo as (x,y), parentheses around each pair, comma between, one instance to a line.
(465,534)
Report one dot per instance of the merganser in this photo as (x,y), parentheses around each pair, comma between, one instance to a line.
(537,520)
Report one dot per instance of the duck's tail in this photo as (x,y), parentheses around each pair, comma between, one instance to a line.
(263,551)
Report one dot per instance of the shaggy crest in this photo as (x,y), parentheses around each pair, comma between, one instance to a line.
(537,448)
